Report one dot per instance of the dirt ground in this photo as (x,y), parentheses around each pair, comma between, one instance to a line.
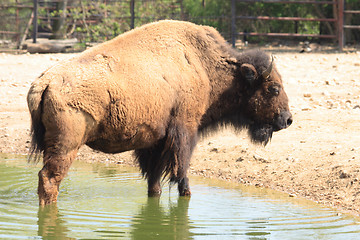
(317,158)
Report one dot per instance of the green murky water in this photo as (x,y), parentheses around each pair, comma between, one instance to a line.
(109,202)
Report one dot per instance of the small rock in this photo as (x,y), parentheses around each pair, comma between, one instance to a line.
(292,159)
(260,159)
(344,174)
(356,107)
(307,95)
(331,82)
(214,150)
(240,159)
(332,153)
(325,93)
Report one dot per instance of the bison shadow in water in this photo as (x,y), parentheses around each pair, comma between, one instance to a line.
(153,90)
(173,224)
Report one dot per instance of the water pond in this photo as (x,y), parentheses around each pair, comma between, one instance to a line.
(99,201)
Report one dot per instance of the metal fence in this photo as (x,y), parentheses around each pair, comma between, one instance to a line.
(103,19)
(341,25)
(335,22)
(292,19)
(15,18)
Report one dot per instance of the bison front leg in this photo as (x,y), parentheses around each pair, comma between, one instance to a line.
(169,157)
(179,147)
(50,176)
(151,168)
(184,187)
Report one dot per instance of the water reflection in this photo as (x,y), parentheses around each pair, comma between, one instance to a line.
(153,222)
(50,223)
(257,230)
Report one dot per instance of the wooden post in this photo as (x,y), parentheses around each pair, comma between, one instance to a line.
(233,23)
(17,23)
(35,23)
(59,22)
(132,12)
(182,16)
(340,25)
(21,41)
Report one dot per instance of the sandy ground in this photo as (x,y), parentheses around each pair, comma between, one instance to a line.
(317,158)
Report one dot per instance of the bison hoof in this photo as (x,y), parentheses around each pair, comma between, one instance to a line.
(45,202)
(154,193)
(185,193)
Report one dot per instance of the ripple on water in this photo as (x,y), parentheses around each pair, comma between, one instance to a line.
(104,202)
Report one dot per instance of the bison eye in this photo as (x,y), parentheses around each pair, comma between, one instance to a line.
(274,90)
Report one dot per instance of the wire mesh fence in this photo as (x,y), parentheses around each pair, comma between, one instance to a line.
(100,20)
(96,21)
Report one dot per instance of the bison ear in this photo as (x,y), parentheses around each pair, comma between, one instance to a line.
(248,71)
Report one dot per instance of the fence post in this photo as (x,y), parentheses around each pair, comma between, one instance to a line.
(340,24)
(17,22)
(35,23)
(132,12)
(233,23)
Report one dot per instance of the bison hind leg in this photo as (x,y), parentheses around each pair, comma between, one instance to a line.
(50,176)
(66,132)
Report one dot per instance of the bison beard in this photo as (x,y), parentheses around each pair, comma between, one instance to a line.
(261,133)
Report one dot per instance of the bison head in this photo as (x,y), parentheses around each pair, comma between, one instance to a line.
(266,104)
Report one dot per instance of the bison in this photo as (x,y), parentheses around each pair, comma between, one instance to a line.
(154,90)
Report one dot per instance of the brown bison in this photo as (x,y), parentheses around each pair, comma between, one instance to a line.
(152,89)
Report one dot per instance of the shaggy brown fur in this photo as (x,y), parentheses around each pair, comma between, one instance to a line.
(152,89)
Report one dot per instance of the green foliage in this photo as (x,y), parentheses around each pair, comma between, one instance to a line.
(215,13)
(96,21)
(12,19)
(101,20)
(149,11)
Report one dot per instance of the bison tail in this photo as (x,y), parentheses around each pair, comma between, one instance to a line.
(35,99)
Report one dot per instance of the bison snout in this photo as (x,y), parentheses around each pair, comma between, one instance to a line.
(283,121)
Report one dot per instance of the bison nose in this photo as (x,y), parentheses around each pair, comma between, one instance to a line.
(289,121)
(283,121)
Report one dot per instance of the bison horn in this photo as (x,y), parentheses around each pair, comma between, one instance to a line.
(266,73)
